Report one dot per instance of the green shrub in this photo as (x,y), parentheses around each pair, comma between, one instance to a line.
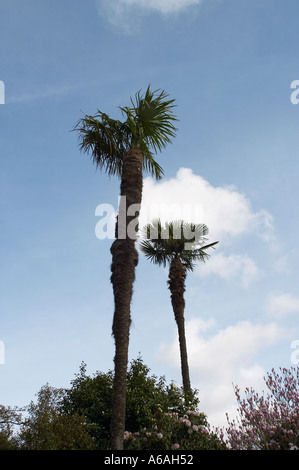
(169,431)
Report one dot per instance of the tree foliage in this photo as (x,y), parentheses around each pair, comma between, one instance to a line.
(47,427)
(174,431)
(78,418)
(161,243)
(157,418)
(148,125)
(92,397)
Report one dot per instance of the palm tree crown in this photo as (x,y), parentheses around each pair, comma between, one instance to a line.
(179,239)
(149,125)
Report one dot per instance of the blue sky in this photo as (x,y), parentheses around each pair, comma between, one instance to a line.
(229,64)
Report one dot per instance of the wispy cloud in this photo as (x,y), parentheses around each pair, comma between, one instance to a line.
(45,92)
(125,15)
(161,6)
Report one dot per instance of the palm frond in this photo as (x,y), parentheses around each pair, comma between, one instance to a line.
(151,121)
(107,140)
(154,253)
(149,125)
(189,257)
(155,117)
(161,243)
(150,165)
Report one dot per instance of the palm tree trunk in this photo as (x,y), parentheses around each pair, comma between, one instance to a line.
(176,282)
(124,262)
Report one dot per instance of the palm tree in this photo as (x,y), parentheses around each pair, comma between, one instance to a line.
(126,148)
(180,245)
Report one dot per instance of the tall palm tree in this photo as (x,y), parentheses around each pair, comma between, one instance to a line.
(126,148)
(180,245)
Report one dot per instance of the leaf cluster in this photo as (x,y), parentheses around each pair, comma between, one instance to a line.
(148,125)
(161,243)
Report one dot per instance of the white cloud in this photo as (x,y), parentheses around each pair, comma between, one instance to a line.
(219,359)
(281,305)
(226,211)
(125,14)
(233,267)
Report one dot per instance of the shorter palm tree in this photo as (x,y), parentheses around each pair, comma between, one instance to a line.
(180,245)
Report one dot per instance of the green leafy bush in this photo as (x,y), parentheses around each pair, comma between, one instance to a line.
(169,431)
(91,397)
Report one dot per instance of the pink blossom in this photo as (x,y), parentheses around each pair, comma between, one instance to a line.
(266,422)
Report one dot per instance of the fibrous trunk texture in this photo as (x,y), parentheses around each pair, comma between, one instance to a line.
(124,262)
(176,282)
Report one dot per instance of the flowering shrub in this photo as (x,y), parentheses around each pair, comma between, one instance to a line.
(171,432)
(271,422)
